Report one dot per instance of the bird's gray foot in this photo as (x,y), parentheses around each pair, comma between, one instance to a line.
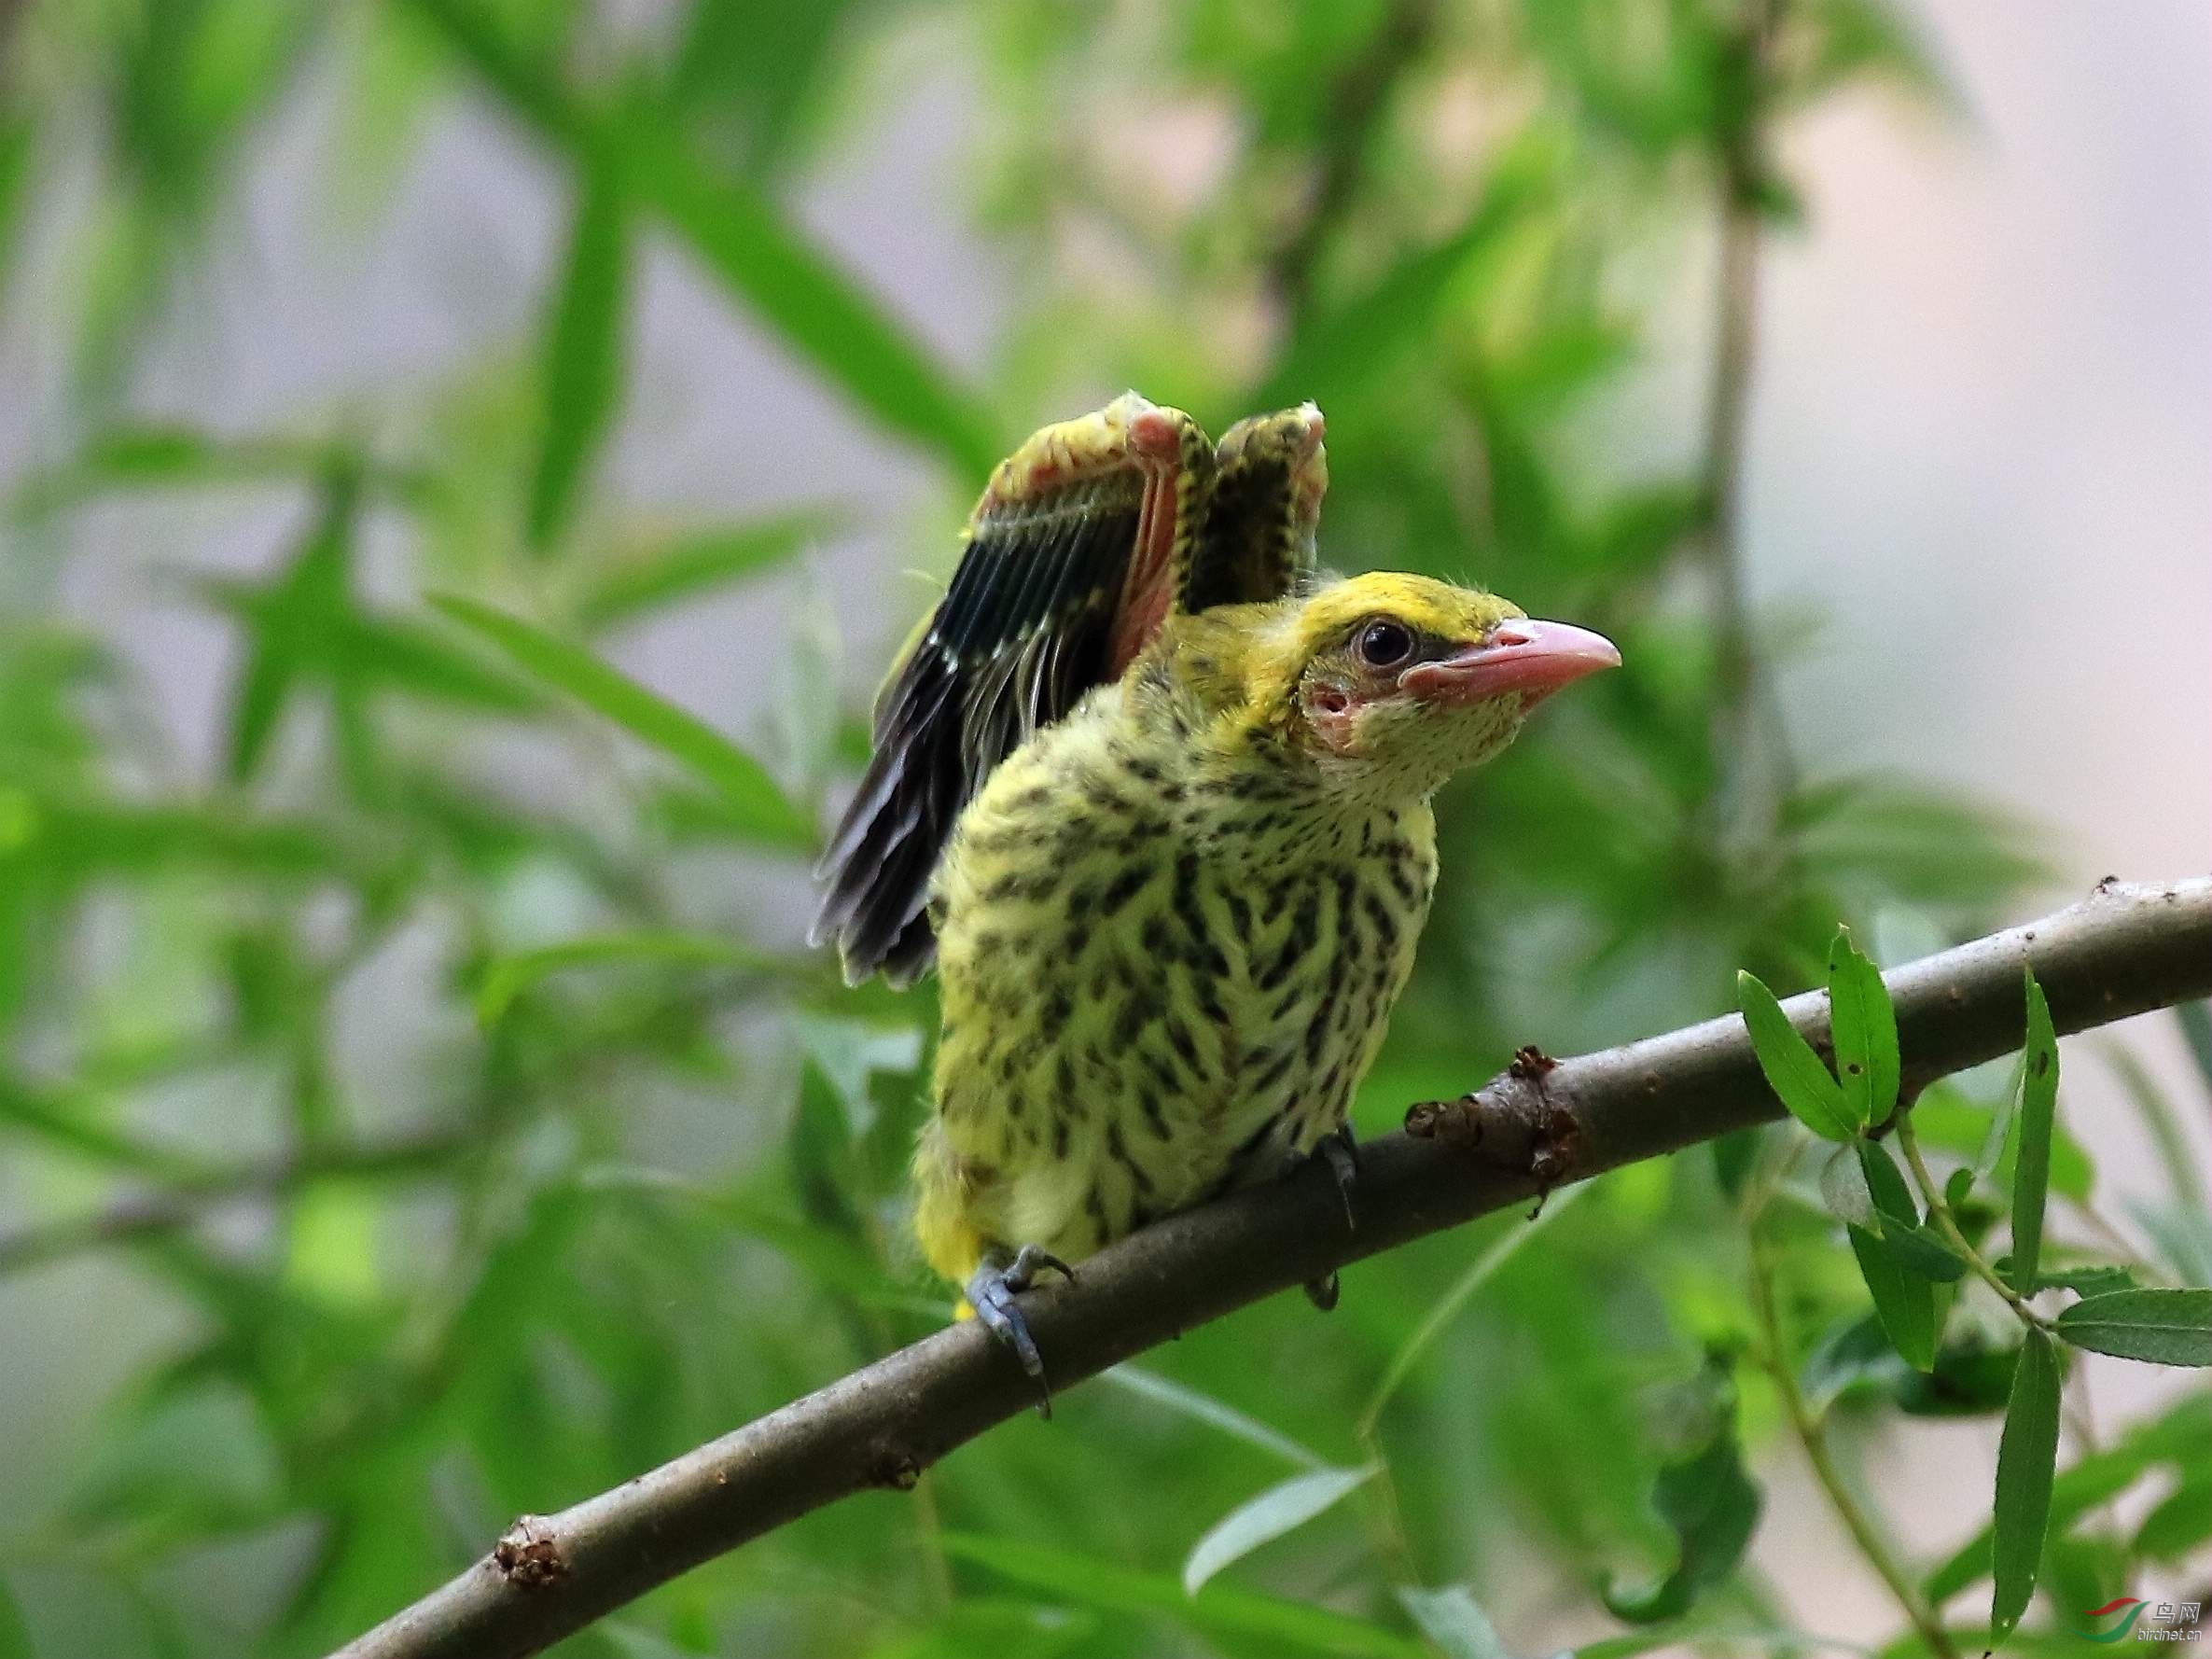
(990,1291)
(1341,1152)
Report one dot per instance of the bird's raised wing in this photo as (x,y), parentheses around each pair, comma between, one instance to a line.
(1256,540)
(1073,557)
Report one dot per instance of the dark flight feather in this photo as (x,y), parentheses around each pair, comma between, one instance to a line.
(1085,538)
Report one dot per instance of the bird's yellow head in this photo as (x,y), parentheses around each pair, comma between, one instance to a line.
(1392,683)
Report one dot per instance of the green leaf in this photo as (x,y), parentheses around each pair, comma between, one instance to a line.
(1844,1189)
(1453,1620)
(2181,1523)
(1904,1301)
(1263,1519)
(741,781)
(1443,1309)
(1203,1408)
(1800,1080)
(2184,1177)
(2089,1278)
(1237,1617)
(2039,1111)
(1894,1269)
(1968,1379)
(1335,355)
(1863,1027)
(136,457)
(698,564)
(816,308)
(2026,1459)
(1914,1248)
(583,351)
(2183,1436)
(1734,1154)
(2161,1327)
(1856,1354)
(2196,1026)
(1713,1509)
(508,977)
(749,243)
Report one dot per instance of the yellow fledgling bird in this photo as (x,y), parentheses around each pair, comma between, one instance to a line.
(1155,797)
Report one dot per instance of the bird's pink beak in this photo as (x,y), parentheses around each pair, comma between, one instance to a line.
(1523,655)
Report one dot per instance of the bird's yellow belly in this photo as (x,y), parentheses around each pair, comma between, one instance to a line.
(1140,1012)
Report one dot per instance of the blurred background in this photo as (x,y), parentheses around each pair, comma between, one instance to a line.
(416,1105)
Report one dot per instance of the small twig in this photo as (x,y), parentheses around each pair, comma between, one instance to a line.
(178,1203)
(1773,1355)
(1744,705)
(2122,951)
(1947,1224)
(1356,105)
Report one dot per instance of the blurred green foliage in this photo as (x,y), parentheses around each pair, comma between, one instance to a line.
(631,1171)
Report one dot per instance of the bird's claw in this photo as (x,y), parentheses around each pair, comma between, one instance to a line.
(1341,1152)
(990,1291)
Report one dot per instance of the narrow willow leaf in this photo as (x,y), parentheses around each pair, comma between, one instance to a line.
(1886,1190)
(1902,1231)
(2026,1460)
(818,310)
(1863,1027)
(1203,1408)
(2161,1327)
(2179,1439)
(697,563)
(2182,1437)
(1265,1518)
(2196,1025)
(742,783)
(1446,1309)
(2039,1111)
(1969,1379)
(2180,1524)
(1990,1160)
(1905,1303)
(1333,356)
(510,977)
(2184,1177)
(2181,1237)
(1453,1620)
(1239,1619)
(1734,1155)
(1904,1298)
(583,351)
(1798,1075)
(2087,1279)
(1856,1355)
(1844,1189)
(751,246)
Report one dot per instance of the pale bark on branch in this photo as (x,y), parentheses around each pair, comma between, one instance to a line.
(2126,950)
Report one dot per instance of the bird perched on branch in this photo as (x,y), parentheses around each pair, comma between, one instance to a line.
(1154,795)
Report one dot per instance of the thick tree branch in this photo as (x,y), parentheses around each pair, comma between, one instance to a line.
(2123,951)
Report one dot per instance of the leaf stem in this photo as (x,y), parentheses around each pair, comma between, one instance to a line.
(1812,1435)
(1939,1213)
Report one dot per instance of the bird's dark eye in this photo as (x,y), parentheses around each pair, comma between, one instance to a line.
(1384,644)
